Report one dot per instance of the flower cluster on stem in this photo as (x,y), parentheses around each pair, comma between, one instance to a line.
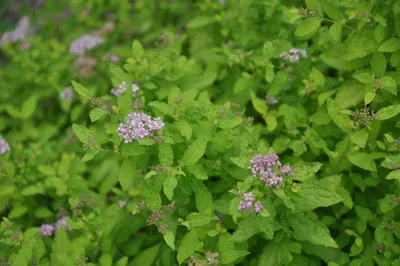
(247,204)
(85,43)
(139,126)
(48,230)
(159,217)
(269,169)
(294,55)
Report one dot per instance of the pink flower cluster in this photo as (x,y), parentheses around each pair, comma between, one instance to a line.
(48,230)
(21,31)
(122,88)
(85,43)
(4,147)
(294,55)
(247,204)
(269,169)
(139,126)
(67,94)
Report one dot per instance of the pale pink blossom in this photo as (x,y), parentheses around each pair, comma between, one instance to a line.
(85,43)
(4,146)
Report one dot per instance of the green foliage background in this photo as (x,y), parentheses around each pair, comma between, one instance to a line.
(205,67)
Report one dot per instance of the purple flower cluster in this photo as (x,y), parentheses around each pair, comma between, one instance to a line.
(67,94)
(85,43)
(21,31)
(122,88)
(247,204)
(109,56)
(48,230)
(139,126)
(4,147)
(294,55)
(269,169)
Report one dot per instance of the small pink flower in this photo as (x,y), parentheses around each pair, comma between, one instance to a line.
(46,230)
(139,126)
(61,223)
(4,147)
(67,94)
(85,43)
(121,203)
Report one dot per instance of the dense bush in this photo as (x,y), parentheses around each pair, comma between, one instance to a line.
(148,132)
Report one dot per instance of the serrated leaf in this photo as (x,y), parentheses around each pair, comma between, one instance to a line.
(169,186)
(187,247)
(82,133)
(363,160)
(184,128)
(388,112)
(194,152)
(96,113)
(336,31)
(305,228)
(226,123)
(369,97)
(247,228)
(165,154)
(169,238)
(364,78)
(389,46)
(198,171)
(359,137)
(304,170)
(307,26)
(80,89)
(90,154)
(127,173)
(394,175)
(137,49)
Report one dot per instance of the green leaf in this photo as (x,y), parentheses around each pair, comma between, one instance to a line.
(96,113)
(169,238)
(169,186)
(231,122)
(184,128)
(132,149)
(147,256)
(241,84)
(82,133)
(163,107)
(319,193)
(363,160)
(260,106)
(203,197)
(336,31)
(341,120)
(359,137)
(389,84)
(307,26)
(390,46)
(332,11)
(369,97)
(317,78)
(151,196)
(90,154)
(379,63)
(28,107)
(81,90)
(137,49)
(43,213)
(105,260)
(394,175)
(200,21)
(165,154)
(276,253)
(304,170)
(364,213)
(311,230)
(364,78)
(388,112)
(198,171)
(247,228)
(200,219)
(187,247)
(194,152)
(127,173)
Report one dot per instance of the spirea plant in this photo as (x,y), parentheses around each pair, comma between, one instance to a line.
(201,133)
